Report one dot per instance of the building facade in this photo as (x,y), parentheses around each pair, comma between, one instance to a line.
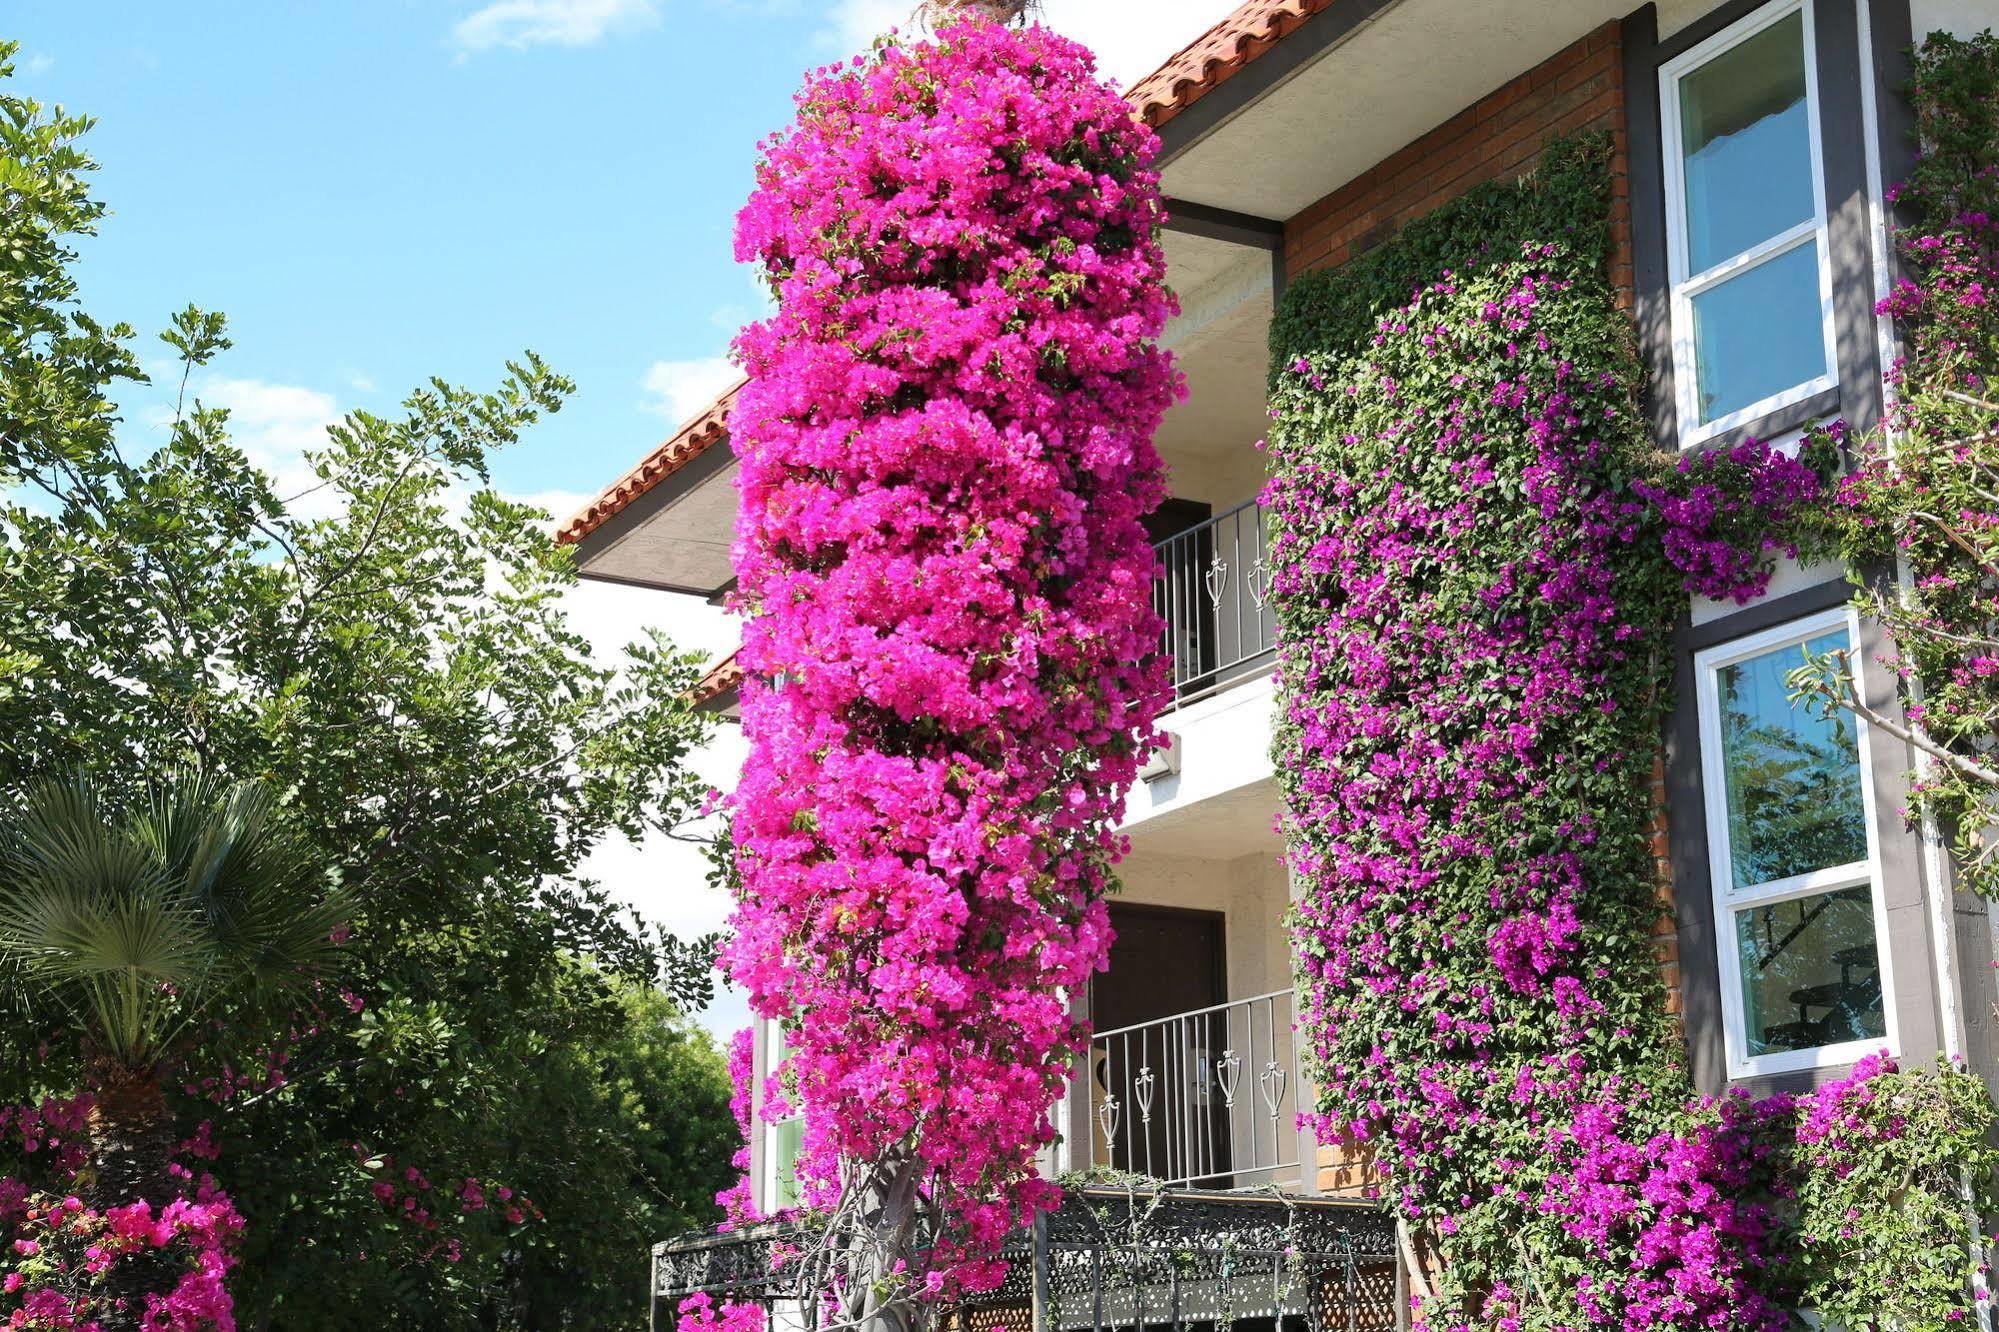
(1752,142)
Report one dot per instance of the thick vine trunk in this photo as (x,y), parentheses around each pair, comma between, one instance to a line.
(882,1251)
(939,13)
(131,1146)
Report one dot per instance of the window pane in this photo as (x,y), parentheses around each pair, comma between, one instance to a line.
(1745,130)
(786,1139)
(1811,975)
(1759,333)
(1793,776)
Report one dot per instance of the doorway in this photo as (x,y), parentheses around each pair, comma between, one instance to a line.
(1166,1118)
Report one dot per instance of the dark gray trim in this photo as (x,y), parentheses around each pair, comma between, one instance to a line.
(1686,823)
(1645,160)
(1224,224)
(1843,127)
(1761,615)
(1818,407)
(1233,228)
(1904,933)
(703,467)
(1307,42)
(1892,28)
(1843,131)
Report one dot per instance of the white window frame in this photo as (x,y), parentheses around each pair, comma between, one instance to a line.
(1686,286)
(1708,665)
(769,1189)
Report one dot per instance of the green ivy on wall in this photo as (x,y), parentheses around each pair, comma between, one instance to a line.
(1565,202)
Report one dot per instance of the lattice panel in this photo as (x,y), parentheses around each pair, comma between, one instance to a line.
(990,1318)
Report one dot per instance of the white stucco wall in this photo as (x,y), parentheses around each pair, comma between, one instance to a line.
(1223,747)
(1960,17)
(1251,892)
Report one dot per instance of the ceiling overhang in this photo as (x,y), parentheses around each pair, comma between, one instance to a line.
(675,536)
(1349,86)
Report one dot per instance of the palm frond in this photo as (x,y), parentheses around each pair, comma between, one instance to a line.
(140,923)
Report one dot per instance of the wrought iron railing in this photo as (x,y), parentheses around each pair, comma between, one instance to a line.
(1214,594)
(1207,1098)
(1106,1259)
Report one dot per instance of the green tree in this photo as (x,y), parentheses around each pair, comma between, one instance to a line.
(389,652)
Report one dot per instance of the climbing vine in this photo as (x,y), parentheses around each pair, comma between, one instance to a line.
(946,463)
(1923,497)
(1479,557)
(1473,653)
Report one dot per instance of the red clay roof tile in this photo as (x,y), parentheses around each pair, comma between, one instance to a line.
(721,678)
(681,448)
(1217,56)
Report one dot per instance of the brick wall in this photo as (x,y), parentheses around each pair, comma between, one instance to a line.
(1501,135)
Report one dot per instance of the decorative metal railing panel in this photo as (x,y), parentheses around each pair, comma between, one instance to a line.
(1213,591)
(1108,1259)
(1207,1098)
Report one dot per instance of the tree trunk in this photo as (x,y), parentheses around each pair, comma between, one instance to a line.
(942,13)
(874,1260)
(131,1146)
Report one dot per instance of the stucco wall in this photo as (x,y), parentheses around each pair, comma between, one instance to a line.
(1962,17)
(1250,891)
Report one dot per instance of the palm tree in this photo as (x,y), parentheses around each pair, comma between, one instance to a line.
(143,925)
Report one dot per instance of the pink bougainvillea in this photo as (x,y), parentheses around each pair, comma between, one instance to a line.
(950,646)
(739,1201)
(1722,512)
(700,1313)
(57,1251)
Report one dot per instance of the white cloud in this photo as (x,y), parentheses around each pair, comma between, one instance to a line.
(560,503)
(523,23)
(679,389)
(274,425)
(1131,37)
(41,62)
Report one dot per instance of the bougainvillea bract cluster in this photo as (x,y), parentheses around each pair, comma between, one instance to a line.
(63,1253)
(951,652)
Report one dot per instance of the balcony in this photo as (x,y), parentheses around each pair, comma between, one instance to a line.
(1204,1099)
(1213,591)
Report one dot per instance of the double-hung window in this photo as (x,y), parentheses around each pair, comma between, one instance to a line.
(1746,225)
(784,1138)
(1792,854)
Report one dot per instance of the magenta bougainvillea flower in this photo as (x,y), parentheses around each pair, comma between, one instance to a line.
(951,649)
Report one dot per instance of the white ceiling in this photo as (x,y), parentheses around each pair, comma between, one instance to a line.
(1395,77)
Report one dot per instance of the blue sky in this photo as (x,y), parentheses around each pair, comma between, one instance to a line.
(381,190)
(377,191)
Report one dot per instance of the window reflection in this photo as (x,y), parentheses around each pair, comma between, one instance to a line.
(1760,332)
(1811,974)
(1793,776)
(1745,129)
